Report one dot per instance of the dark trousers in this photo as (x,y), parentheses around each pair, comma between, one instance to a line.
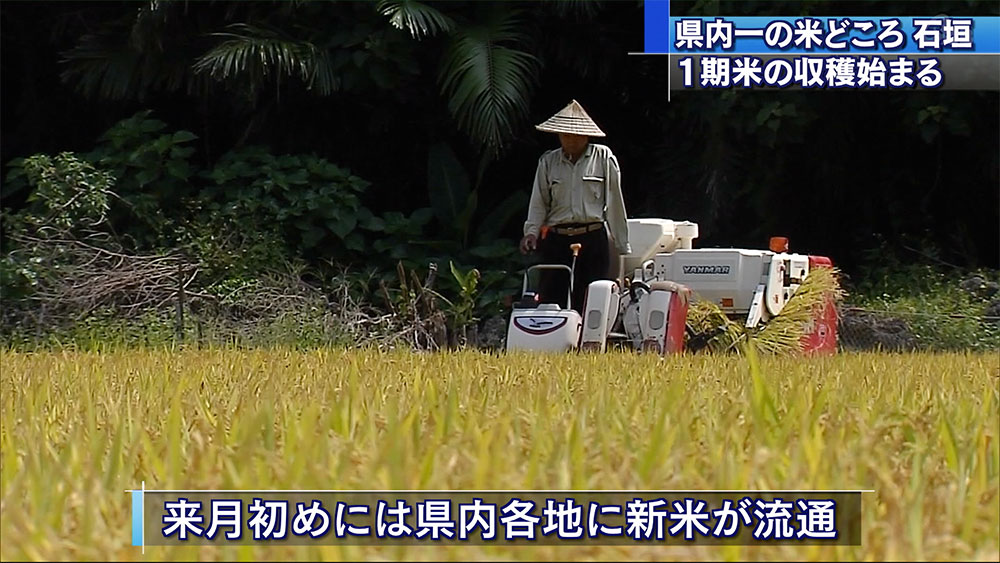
(591,264)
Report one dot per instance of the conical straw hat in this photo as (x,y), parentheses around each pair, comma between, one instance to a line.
(571,119)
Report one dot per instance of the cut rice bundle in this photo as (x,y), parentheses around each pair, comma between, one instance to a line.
(709,328)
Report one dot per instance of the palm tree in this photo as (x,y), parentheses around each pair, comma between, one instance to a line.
(485,72)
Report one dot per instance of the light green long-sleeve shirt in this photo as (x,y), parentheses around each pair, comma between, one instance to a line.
(567,192)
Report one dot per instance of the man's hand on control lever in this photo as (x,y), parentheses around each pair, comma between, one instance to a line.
(529,243)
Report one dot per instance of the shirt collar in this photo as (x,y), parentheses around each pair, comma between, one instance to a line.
(586,153)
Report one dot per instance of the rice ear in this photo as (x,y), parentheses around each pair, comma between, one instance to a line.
(782,334)
(707,322)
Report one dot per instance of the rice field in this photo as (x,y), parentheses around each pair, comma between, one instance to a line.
(78,429)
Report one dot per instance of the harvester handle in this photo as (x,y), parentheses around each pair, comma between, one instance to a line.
(575,249)
(635,285)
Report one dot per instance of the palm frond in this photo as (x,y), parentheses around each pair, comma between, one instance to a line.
(139,52)
(323,77)
(488,81)
(419,19)
(149,27)
(102,70)
(103,65)
(580,9)
(258,53)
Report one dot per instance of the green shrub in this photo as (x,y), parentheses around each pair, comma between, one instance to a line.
(153,168)
(313,203)
(940,313)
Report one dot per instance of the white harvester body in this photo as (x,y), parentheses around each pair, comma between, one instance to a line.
(647,307)
(547,328)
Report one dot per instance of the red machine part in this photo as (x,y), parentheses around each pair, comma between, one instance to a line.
(673,334)
(676,322)
(821,339)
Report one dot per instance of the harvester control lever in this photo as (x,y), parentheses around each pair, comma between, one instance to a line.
(637,285)
(575,248)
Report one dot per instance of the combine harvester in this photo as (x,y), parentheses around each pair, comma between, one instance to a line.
(648,308)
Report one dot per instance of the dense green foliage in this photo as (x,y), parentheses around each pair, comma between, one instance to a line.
(941,308)
(257,215)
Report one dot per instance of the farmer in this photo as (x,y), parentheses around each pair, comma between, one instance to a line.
(576,198)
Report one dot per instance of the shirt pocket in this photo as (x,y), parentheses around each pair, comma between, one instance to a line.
(593,187)
(557,187)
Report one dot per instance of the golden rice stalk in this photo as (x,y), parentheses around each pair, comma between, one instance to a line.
(783,334)
(780,335)
(707,323)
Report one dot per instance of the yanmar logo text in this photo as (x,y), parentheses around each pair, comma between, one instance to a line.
(709,269)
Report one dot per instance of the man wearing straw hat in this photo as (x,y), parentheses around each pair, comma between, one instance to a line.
(576,198)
